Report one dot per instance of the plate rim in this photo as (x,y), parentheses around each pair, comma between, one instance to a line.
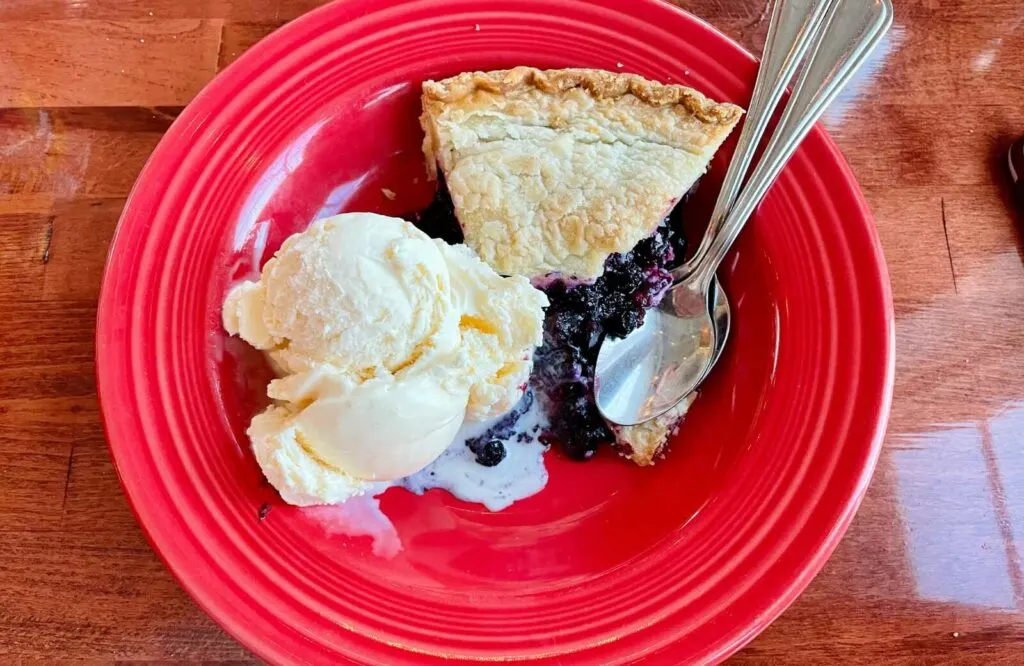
(197,110)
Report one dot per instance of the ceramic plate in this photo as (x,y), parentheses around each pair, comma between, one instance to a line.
(685,561)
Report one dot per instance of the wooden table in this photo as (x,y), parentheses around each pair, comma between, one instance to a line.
(930,571)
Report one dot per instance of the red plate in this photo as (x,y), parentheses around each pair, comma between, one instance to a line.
(609,563)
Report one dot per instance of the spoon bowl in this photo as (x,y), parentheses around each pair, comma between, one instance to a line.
(667,352)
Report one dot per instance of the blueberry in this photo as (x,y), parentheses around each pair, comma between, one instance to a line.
(612,304)
(678,250)
(625,279)
(584,440)
(654,251)
(615,261)
(491,453)
(563,326)
(578,300)
(656,282)
(624,322)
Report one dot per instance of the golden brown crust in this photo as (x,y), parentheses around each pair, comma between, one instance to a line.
(551,172)
(600,84)
(645,443)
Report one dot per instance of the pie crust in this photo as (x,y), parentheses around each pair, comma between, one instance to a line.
(645,443)
(552,171)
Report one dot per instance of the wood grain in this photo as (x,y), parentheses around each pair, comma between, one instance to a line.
(106,63)
(930,571)
(79,151)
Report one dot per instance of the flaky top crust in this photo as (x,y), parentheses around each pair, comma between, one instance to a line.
(645,443)
(552,171)
(599,84)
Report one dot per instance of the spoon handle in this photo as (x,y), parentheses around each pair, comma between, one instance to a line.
(793,23)
(840,45)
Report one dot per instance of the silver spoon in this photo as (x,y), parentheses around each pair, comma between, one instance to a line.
(645,374)
(790,29)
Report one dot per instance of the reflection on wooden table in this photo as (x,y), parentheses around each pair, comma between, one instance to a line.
(931,568)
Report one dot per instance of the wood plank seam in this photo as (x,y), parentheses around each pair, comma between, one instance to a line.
(48,239)
(67,478)
(949,248)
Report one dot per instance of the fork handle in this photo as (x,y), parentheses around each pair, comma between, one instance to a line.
(793,23)
(840,45)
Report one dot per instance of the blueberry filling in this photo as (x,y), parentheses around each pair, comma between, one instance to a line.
(488,447)
(490,454)
(576,321)
(438,219)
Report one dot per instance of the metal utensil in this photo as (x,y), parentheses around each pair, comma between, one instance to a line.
(645,374)
(790,29)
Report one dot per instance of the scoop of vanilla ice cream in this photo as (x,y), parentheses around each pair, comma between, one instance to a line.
(380,429)
(500,329)
(360,292)
(386,341)
(291,466)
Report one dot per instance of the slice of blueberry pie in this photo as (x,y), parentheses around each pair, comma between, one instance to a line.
(573,178)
